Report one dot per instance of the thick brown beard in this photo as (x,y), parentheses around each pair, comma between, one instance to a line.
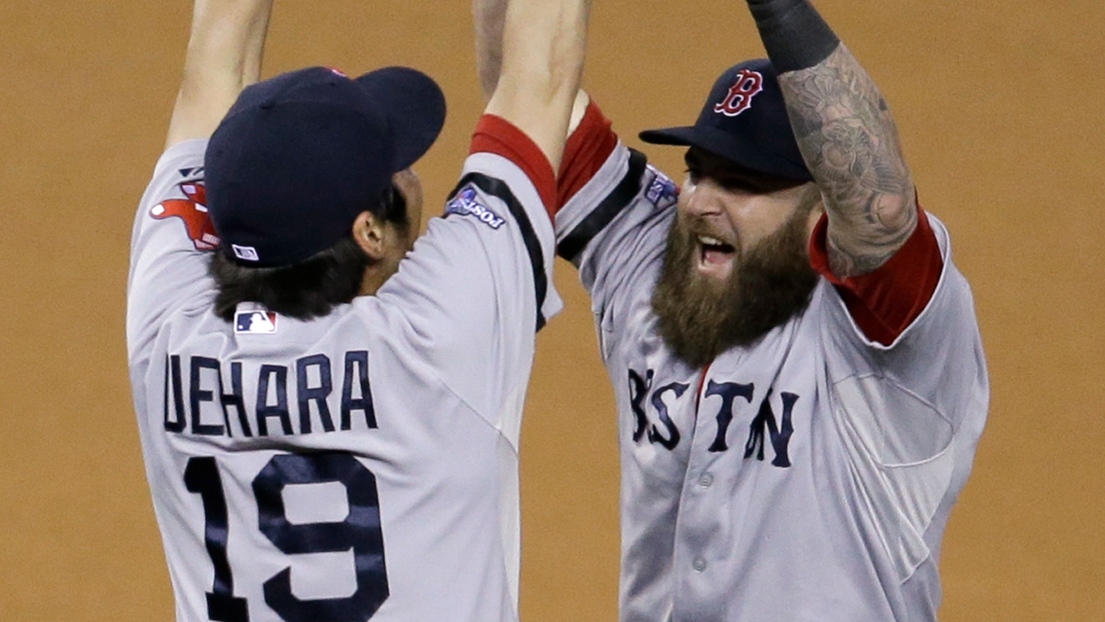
(699,318)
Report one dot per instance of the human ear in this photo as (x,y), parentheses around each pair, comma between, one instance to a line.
(370,235)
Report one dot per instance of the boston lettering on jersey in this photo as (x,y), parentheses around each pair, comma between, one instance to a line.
(763,427)
(212,402)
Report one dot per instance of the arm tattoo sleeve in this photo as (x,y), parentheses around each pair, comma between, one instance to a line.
(851,145)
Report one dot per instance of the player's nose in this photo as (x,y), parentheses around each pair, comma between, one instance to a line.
(702,198)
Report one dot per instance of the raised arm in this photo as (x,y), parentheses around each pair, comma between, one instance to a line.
(846,134)
(534,74)
(224,56)
(488,16)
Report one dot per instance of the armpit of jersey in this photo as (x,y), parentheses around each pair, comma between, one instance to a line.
(903,456)
(896,426)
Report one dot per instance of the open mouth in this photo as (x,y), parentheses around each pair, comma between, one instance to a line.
(714,252)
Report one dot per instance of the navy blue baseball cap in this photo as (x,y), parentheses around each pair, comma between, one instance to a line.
(299,156)
(744,121)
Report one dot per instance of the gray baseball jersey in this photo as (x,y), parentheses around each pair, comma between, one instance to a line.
(808,477)
(353,467)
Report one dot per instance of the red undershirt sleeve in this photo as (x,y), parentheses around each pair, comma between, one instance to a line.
(586,151)
(885,302)
(496,135)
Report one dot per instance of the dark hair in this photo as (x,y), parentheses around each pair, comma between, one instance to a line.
(310,288)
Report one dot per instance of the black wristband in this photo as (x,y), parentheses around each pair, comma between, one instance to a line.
(793,32)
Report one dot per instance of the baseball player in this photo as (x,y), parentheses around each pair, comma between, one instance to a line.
(795,357)
(329,419)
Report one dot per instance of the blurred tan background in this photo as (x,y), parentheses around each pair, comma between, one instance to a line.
(1000,107)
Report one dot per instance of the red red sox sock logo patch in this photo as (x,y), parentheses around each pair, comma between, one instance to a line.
(193,211)
(739,97)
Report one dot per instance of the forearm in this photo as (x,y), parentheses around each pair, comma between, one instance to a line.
(846,134)
(227,39)
(488,16)
(223,57)
(544,43)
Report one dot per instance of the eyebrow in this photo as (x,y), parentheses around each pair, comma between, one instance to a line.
(719,164)
(728,171)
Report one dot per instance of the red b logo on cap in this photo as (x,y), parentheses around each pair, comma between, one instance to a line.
(740,95)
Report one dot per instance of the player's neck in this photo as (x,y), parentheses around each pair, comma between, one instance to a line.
(374,277)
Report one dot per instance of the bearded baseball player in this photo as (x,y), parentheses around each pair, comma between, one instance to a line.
(795,357)
(329,419)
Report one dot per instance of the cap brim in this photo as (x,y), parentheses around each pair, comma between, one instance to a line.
(669,136)
(726,146)
(414,106)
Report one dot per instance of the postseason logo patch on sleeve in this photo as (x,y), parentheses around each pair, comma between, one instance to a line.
(466,203)
(662,191)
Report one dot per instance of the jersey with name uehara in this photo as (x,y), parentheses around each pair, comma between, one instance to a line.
(807,477)
(357,466)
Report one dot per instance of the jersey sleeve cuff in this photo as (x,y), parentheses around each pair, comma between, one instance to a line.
(496,135)
(883,303)
(586,151)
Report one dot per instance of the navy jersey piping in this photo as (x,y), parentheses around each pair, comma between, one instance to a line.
(499,189)
(574,243)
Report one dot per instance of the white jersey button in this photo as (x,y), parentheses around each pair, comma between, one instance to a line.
(706,480)
(699,564)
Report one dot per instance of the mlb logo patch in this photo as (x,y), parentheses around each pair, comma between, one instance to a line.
(245,253)
(255,322)
(466,203)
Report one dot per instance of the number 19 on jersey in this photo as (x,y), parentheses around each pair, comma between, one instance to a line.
(359,532)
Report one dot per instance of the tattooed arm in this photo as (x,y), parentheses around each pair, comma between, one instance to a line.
(846,134)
